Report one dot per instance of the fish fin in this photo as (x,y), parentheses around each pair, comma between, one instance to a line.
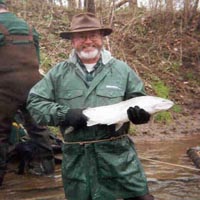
(91,123)
(118,126)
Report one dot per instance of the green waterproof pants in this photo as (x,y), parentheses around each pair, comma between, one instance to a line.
(104,170)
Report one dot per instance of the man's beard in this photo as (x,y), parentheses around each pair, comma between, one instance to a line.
(88,55)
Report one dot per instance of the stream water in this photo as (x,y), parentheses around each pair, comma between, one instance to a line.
(171,174)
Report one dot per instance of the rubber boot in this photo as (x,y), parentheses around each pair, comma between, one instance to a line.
(47,163)
(3,161)
(43,162)
(145,197)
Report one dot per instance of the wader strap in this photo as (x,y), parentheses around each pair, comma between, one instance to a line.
(4,30)
(10,38)
(97,141)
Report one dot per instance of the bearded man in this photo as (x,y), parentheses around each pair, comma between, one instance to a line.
(99,162)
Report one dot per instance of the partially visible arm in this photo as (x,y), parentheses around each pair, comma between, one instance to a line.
(1,39)
(135,86)
(36,43)
(42,105)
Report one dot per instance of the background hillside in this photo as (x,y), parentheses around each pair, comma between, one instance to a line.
(161,46)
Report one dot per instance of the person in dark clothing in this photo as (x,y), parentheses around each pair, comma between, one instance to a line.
(19,65)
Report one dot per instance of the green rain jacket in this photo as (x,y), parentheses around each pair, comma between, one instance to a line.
(106,170)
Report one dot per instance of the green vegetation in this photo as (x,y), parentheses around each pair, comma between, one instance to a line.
(177,108)
(55,130)
(45,61)
(190,76)
(132,129)
(162,90)
(163,117)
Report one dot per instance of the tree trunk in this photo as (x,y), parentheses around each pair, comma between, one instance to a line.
(117,5)
(194,10)
(72,4)
(169,5)
(89,6)
(79,4)
(186,11)
(133,3)
(194,154)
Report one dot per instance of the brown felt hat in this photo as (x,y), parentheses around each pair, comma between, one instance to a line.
(85,22)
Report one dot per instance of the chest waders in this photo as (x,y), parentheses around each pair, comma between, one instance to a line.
(18,73)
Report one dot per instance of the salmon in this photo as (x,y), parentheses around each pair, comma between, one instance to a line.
(117,113)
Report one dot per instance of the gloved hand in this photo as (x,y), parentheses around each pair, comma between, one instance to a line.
(75,118)
(137,115)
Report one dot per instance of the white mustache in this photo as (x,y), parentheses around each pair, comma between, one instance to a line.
(88,55)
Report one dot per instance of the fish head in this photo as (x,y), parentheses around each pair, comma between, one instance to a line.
(160,104)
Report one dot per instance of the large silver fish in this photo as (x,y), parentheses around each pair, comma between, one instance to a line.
(117,113)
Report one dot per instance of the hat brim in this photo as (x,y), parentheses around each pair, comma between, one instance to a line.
(68,34)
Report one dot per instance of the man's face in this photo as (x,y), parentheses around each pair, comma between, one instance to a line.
(88,44)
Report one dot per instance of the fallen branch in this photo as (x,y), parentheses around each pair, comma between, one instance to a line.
(171,164)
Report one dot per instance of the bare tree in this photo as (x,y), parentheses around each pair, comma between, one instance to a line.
(169,5)
(186,11)
(120,3)
(194,10)
(72,4)
(133,3)
(79,4)
(89,6)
